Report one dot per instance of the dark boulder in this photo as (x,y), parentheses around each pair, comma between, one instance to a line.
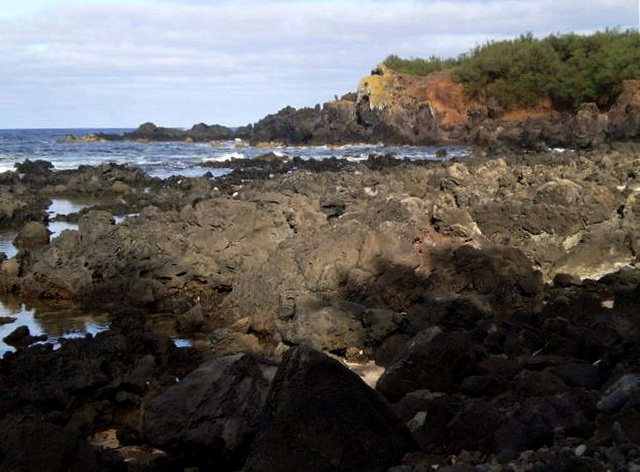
(38,167)
(451,313)
(538,384)
(580,374)
(150,132)
(30,444)
(429,425)
(620,393)
(473,428)
(21,337)
(538,420)
(326,325)
(624,115)
(572,464)
(589,126)
(321,417)
(212,413)
(204,132)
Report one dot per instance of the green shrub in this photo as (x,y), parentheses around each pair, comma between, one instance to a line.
(570,69)
(417,66)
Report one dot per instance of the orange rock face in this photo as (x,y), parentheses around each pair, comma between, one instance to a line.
(446,97)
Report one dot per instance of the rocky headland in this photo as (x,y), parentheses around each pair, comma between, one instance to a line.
(398,109)
(491,301)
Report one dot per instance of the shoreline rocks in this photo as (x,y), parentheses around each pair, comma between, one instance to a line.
(499,294)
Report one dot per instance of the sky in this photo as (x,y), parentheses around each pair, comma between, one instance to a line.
(116,63)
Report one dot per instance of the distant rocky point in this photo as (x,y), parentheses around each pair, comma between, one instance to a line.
(400,109)
(148,132)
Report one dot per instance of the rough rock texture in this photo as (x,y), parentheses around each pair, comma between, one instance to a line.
(319,416)
(21,337)
(31,235)
(500,294)
(434,361)
(624,116)
(388,107)
(51,401)
(18,203)
(146,132)
(212,413)
(401,109)
(344,259)
(198,248)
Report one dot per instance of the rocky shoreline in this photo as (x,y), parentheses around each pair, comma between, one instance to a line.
(495,297)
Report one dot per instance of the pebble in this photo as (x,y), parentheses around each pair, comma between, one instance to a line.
(580,450)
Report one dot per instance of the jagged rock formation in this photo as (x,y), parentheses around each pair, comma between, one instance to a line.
(323,257)
(499,294)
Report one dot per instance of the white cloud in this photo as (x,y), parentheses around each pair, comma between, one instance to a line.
(232,62)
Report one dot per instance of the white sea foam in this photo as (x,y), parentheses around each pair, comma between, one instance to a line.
(120,219)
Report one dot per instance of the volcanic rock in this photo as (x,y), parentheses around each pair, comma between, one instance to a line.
(319,416)
(33,234)
(212,413)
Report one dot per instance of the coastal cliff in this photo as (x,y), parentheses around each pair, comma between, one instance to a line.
(394,108)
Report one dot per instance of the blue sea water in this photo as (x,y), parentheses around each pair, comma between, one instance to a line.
(159,159)
(163,159)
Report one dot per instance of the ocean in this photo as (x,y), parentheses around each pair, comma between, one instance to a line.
(159,159)
(163,159)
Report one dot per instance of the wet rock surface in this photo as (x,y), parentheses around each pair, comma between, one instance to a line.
(500,295)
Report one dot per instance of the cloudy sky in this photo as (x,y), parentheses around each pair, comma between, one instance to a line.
(117,63)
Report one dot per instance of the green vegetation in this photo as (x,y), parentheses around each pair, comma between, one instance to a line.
(419,66)
(570,69)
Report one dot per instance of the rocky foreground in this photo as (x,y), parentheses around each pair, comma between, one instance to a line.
(497,297)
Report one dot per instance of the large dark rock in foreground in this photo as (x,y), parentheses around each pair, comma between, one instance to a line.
(321,417)
(213,412)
